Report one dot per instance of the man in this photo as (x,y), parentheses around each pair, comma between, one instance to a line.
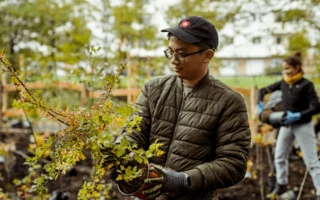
(201,122)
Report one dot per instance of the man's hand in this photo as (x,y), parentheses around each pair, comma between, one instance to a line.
(108,156)
(168,181)
(291,117)
(260,106)
(109,160)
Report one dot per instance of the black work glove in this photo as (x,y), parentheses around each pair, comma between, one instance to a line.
(168,181)
(108,156)
(108,159)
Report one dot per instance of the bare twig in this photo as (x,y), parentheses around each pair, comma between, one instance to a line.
(44,108)
(25,156)
(302,184)
(31,128)
(111,85)
(271,165)
(20,153)
(261,174)
(305,178)
(259,161)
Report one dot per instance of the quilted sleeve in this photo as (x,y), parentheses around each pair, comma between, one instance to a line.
(233,139)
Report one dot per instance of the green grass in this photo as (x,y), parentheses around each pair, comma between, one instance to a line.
(260,81)
(246,82)
(249,81)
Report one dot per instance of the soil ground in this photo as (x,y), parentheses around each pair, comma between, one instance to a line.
(258,187)
(71,182)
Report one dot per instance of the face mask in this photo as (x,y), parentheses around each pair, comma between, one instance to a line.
(286,72)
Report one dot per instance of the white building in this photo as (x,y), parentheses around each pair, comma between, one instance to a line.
(250,44)
(257,37)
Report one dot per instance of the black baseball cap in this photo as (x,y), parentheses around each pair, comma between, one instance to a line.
(195,29)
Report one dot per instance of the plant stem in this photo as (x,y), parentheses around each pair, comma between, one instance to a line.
(261,172)
(109,88)
(305,178)
(302,184)
(44,108)
(271,164)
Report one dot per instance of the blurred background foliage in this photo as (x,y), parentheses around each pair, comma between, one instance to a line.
(49,40)
(81,41)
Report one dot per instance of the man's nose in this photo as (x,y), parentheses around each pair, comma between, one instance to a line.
(174,60)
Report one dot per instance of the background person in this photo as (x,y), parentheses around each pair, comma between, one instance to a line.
(300,102)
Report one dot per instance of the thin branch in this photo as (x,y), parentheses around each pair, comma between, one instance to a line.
(16,76)
(117,77)
(261,173)
(111,85)
(20,153)
(259,162)
(302,184)
(305,178)
(45,108)
(31,129)
(271,164)
(48,111)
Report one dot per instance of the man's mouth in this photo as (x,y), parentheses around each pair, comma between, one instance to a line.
(177,68)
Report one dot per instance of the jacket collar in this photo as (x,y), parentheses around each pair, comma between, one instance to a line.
(204,81)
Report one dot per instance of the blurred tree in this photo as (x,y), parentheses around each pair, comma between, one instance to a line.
(134,35)
(43,33)
(304,16)
(271,71)
(218,12)
(286,25)
(106,12)
(132,27)
(299,42)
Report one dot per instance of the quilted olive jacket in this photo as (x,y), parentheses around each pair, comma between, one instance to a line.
(205,134)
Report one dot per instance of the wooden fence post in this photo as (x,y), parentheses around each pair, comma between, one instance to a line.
(1,99)
(148,68)
(84,95)
(4,93)
(129,86)
(253,112)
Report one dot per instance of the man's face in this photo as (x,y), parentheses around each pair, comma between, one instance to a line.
(194,67)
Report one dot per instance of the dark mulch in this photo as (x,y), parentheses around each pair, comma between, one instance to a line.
(252,189)
(73,180)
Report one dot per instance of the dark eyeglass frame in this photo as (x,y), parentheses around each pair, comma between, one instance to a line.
(169,55)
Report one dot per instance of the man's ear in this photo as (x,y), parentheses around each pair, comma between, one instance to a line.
(209,55)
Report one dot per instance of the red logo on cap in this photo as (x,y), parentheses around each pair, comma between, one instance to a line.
(184,24)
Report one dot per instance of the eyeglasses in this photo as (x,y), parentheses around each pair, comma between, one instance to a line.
(180,58)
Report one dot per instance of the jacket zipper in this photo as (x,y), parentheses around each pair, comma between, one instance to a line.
(175,129)
(290,88)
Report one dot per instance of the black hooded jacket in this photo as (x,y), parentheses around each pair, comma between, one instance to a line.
(299,97)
